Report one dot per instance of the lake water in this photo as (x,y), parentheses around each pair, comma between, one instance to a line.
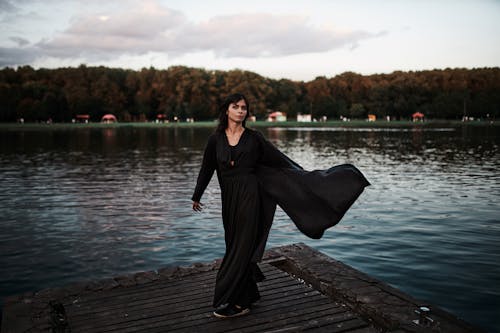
(89,203)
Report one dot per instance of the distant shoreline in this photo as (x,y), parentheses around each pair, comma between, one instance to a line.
(257,124)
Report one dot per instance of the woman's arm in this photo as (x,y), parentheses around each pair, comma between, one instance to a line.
(208,167)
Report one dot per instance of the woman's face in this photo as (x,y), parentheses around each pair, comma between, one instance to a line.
(237,112)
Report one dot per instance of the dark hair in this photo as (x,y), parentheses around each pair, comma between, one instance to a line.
(233,98)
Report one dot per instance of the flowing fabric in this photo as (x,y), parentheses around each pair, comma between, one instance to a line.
(254,177)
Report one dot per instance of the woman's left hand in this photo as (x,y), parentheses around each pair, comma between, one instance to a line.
(197,206)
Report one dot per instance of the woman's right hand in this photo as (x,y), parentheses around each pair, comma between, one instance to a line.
(197,206)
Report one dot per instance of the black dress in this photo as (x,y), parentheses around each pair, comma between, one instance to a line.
(254,176)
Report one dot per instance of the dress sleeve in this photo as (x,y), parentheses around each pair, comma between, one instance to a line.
(208,167)
(272,157)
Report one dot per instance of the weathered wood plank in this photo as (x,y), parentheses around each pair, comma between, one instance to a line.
(271,309)
(161,299)
(188,319)
(293,289)
(304,290)
(349,325)
(327,329)
(329,320)
(281,284)
(138,289)
(266,320)
(162,312)
(158,286)
(175,289)
(210,323)
(172,298)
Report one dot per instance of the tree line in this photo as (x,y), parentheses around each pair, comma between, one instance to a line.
(181,92)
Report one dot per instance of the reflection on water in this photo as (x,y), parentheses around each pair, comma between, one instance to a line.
(93,203)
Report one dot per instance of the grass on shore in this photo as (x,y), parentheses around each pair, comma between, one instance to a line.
(257,124)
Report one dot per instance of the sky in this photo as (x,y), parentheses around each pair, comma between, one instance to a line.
(297,40)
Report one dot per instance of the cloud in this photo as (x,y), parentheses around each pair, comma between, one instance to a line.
(154,28)
(19,41)
(264,35)
(17,56)
(136,31)
(148,27)
(7,6)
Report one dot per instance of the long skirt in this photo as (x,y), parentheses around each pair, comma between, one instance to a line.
(238,275)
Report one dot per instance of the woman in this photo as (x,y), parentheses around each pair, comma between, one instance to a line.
(254,176)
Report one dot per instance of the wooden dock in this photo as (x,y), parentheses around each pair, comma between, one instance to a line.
(304,290)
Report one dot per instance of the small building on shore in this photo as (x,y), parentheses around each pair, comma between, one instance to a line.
(161,118)
(304,118)
(417,116)
(108,119)
(82,118)
(276,116)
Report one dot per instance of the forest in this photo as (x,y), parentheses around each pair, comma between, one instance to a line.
(179,92)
